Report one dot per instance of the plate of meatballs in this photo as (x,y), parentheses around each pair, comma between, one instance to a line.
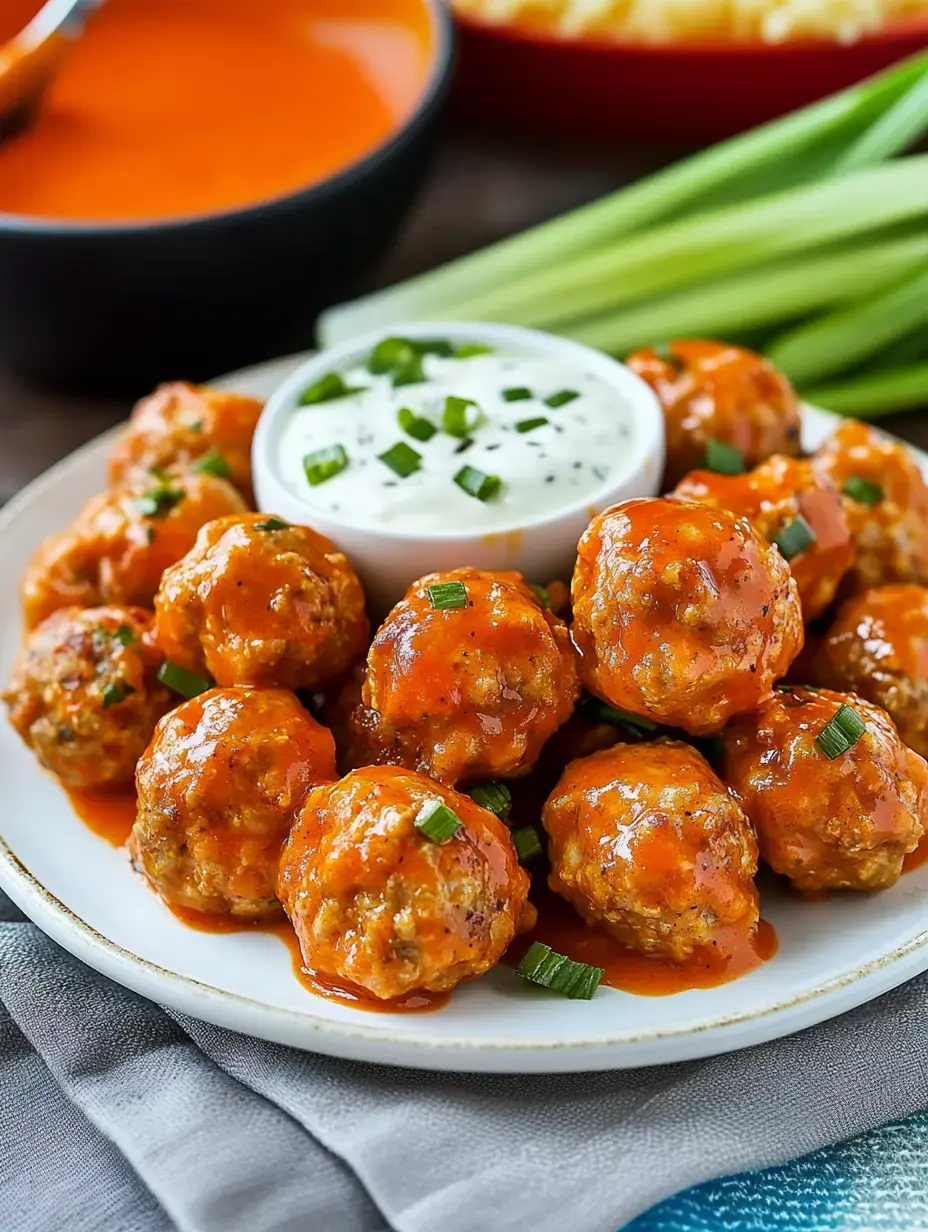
(669,806)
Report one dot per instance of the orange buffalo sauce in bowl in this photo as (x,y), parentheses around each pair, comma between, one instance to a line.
(172,108)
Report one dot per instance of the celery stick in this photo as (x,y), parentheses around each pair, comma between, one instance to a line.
(728,167)
(685,252)
(868,397)
(896,129)
(845,338)
(757,297)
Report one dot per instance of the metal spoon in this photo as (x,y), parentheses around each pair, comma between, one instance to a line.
(30,61)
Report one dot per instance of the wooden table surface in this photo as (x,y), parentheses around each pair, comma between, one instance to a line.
(482,187)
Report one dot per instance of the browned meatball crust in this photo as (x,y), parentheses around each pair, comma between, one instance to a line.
(646,841)
(84,694)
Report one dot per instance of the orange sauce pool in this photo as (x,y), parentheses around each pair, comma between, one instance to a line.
(174,107)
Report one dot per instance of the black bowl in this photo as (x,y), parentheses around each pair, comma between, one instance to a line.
(117,308)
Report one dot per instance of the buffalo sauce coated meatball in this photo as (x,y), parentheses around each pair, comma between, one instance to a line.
(121,542)
(258,601)
(470,691)
(85,696)
(219,788)
(376,902)
(183,427)
(710,390)
(877,647)
(788,502)
(645,840)
(682,613)
(886,502)
(827,821)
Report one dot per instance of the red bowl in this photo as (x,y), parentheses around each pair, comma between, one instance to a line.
(536,81)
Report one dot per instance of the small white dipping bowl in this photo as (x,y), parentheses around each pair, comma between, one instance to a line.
(543,548)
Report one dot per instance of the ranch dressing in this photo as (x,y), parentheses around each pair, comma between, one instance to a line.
(534,469)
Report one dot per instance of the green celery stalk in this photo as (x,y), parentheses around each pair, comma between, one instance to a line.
(869,397)
(728,169)
(843,339)
(897,128)
(757,298)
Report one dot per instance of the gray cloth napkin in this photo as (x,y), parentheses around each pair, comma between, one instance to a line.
(119,1116)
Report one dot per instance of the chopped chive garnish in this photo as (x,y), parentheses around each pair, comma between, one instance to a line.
(391,354)
(272,524)
(416,426)
(543,597)
(126,635)
(464,445)
(445,596)
(437,822)
(113,694)
(561,398)
(600,712)
(179,680)
(410,373)
(467,350)
(402,459)
(213,464)
(150,534)
(528,844)
(494,797)
(159,501)
(841,733)
(795,538)
(862,490)
(477,484)
(329,388)
(323,464)
(542,965)
(529,425)
(664,352)
(517,394)
(461,416)
(197,427)
(722,458)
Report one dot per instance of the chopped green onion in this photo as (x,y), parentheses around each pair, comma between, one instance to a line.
(542,965)
(440,347)
(272,524)
(494,797)
(529,425)
(391,354)
(862,490)
(437,822)
(478,484)
(402,459)
(543,597)
(468,350)
(179,680)
(841,733)
(410,373)
(323,464)
(724,459)
(517,394)
(600,712)
(561,398)
(528,844)
(329,388)
(213,464)
(464,445)
(444,596)
(416,426)
(113,694)
(461,417)
(159,501)
(795,538)
(664,353)
(126,635)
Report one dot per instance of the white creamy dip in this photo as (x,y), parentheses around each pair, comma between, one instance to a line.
(517,470)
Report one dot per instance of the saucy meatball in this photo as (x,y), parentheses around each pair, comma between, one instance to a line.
(713,391)
(121,542)
(258,601)
(377,903)
(471,691)
(878,648)
(646,841)
(682,613)
(827,822)
(789,503)
(85,696)
(886,502)
(219,788)
(183,427)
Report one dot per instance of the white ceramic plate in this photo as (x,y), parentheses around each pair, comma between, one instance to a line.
(833,955)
